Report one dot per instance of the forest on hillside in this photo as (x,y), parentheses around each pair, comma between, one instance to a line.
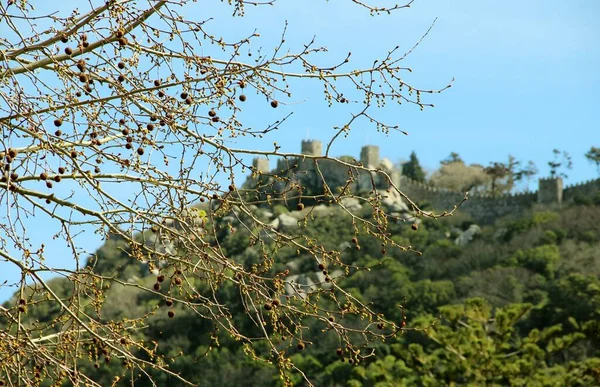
(513,303)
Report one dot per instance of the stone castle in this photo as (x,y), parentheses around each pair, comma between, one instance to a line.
(482,208)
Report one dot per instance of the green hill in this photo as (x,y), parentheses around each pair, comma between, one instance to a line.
(516,302)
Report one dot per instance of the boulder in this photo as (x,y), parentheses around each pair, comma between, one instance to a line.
(286,221)
(393,201)
(351,204)
(467,235)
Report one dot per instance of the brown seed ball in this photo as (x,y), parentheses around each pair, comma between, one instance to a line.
(57,122)
(339,352)
(160,278)
(123,41)
(321,266)
(81,64)
(169,303)
(212,113)
(122,121)
(150,127)
(274,104)
(58,133)
(157,82)
(242,98)
(301,346)
(354,240)
(231,187)
(78,94)
(128,146)
(97,170)
(14,176)
(48,201)
(49,184)
(68,50)
(161,94)
(73,153)
(85,44)
(140,151)
(64,39)
(57,178)
(123,340)
(171,314)
(119,33)
(242,84)
(156,286)
(215,119)
(414,226)
(121,78)
(183,95)
(84,37)
(188,100)
(300,206)
(177,281)
(215,196)
(268,306)
(12,153)
(121,65)
(43,176)
(129,139)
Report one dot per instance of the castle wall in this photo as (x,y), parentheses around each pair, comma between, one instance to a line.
(486,209)
(589,188)
(483,209)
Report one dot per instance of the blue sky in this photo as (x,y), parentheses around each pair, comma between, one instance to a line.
(526,78)
(526,81)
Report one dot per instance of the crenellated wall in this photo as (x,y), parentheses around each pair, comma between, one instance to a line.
(483,208)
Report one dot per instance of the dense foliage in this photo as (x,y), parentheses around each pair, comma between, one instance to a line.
(517,303)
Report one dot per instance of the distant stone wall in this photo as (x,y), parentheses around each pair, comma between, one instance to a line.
(588,188)
(483,209)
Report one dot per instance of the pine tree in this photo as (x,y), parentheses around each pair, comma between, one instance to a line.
(412,169)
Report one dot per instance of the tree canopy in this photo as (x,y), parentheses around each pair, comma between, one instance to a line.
(412,168)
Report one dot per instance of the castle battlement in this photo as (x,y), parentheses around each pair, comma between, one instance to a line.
(483,207)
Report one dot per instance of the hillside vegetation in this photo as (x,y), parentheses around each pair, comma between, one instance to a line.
(513,303)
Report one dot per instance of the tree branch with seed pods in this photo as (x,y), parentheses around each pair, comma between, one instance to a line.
(119,118)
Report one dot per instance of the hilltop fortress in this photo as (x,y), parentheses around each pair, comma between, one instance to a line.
(483,209)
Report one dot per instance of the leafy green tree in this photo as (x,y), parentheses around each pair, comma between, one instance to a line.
(560,161)
(412,169)
(457,176)
(453,157)
(593,156)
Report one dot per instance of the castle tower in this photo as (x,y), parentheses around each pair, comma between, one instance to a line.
(369,156)
(312,147)
(550,191)
(261,164)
